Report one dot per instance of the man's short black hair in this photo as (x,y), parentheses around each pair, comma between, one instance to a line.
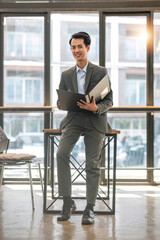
(85,36)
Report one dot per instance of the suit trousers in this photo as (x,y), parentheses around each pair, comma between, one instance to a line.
(93,141)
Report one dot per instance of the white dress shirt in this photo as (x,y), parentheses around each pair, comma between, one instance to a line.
(81,75)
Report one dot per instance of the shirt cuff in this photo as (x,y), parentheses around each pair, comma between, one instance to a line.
(97,111)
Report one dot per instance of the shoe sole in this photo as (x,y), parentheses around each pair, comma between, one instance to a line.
(87,223)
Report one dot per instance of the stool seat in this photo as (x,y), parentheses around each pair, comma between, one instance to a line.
(59,132)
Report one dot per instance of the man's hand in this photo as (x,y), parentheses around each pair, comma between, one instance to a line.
(88,106)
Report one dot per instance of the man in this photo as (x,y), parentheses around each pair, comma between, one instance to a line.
(91,121)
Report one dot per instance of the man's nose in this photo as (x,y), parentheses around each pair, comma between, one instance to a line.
(76,49)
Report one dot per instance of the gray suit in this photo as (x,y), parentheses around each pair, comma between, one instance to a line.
(92,125)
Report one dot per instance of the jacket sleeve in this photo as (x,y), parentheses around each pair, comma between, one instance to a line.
(62,87)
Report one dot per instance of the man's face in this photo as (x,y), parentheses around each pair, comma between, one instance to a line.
(79,49)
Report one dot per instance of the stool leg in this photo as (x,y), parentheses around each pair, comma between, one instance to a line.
(41,180)
(31,185)
(1,175)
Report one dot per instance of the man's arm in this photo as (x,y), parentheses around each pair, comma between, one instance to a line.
(62,87)
(106,103)
(101,107)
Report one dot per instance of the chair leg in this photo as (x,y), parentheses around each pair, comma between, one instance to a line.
(31,185)
(1,175)
(40,174)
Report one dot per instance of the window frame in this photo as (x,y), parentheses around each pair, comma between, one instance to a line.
(38,12)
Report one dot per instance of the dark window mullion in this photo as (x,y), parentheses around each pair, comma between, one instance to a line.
(150,98)
(1,67)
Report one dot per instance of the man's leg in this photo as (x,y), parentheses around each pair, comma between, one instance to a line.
(93,143)
(69,137)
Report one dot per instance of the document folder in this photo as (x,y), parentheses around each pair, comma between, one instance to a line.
(100,90)
(68,100)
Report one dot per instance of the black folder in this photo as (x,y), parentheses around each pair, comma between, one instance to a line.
(68,100)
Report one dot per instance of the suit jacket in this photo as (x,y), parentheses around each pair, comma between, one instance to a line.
(94,74)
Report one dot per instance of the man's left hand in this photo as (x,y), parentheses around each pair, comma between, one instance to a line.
(88,106)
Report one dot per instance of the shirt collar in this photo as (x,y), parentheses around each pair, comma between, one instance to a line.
(84,69)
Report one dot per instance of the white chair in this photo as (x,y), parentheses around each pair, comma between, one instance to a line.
(11,159)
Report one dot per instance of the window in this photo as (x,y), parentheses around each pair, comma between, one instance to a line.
(132,39)
(24,37)
(127,40)
(24,83)
(135,92)
(24,61)
(62,27)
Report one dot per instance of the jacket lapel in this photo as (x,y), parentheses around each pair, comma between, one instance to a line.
(88,76)
(74,79)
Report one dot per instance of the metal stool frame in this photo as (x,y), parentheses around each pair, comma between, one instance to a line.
(50,141)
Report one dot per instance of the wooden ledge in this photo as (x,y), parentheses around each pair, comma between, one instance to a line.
(58,131)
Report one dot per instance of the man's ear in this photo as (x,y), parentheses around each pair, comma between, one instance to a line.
(88,48)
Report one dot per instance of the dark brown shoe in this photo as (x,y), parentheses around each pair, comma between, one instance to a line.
(88,217)
(66,212)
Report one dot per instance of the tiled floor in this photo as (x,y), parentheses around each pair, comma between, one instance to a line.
(137,217)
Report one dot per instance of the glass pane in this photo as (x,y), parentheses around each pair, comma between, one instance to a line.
(131,143)
(132,140)
(24,86)
(126,48)
(157,140)
(62,27)
(23,61)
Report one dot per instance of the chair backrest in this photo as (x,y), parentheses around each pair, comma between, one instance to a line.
(4,141)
